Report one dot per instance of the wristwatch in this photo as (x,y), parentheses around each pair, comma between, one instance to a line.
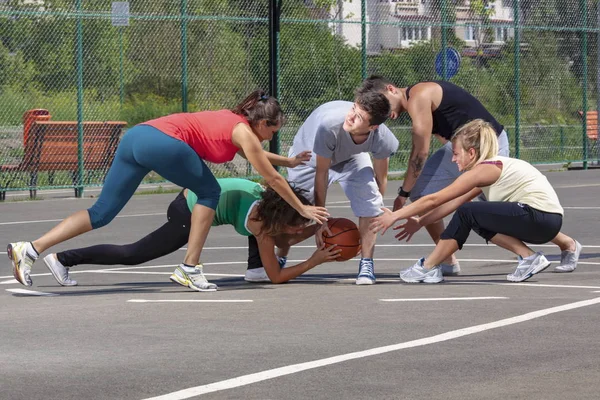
(402,193)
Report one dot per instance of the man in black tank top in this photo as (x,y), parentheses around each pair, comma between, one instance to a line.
(435,108)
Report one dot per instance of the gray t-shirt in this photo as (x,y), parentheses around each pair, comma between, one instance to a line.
(323,133)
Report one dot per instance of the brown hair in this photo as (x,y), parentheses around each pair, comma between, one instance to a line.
(258,106)
(375,104)
(375,83)
(276,214)
(479,135)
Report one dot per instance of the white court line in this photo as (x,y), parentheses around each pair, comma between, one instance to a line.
(295,368)
(9,282)
(380,245)
(30,292)
(446,299)
(59,220)
(188,301)
(520,284)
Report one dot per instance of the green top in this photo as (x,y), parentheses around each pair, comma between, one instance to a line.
(237,198)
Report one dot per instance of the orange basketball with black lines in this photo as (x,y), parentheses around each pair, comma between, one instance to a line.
(345,234)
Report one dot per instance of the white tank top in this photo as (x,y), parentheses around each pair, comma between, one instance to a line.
(521,182)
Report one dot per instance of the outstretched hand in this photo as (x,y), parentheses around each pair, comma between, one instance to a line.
(319,234)
(408,229)
(325,254)
(300,159)
(314,213)
(383,222)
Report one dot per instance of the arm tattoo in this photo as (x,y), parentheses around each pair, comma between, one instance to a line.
(417,164)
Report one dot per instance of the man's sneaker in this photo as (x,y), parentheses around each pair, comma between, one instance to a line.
(528,267)
(22,255)
(256,275)
(193,278)
(418,273)
(450,269)
(260,275)
(282,261)
(366,273)
(568,259)
(60,272)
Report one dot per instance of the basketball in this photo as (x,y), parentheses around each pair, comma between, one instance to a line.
(345,234)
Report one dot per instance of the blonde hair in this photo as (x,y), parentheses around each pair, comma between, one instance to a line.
(479,135)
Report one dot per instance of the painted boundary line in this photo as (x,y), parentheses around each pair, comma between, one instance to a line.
(295,368)
(445,299)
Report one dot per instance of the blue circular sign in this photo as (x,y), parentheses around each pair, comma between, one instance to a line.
(452,63)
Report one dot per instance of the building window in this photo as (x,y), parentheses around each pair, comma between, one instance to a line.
(414,33)
(471,32)
(501,34)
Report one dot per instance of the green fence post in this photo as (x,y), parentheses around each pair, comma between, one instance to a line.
(562,142)
(583,4)
(363,37)
(79,183)
(517,56)
(184,56)
(444,41)
(122,84)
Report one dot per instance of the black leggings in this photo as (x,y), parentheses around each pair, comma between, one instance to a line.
(165,240)
(488,218)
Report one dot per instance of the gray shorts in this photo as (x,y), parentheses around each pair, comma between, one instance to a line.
(439,171)
(355,176)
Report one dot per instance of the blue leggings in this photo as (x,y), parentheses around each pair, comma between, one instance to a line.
(141,150)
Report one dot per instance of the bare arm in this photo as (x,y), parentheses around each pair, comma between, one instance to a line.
(381,168)
(449,207)
(321,180)
(244,139)
(419,108)
(266,249)
(282,161)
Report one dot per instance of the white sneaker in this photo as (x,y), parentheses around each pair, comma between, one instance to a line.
(22,255)
(569,259)
(60,272)
(256,275)
(450,269)
(528,267)
(192,278)
(418,273)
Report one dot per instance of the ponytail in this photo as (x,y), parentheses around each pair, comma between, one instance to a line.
(479,135)
(258,106)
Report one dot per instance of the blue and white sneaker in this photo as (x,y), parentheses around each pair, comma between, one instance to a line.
(366,272)
(418,273)
(528,267)
(282,261)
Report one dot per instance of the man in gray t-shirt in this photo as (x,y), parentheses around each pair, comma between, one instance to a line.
(341,134)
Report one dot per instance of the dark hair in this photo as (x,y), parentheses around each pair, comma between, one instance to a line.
(258,106)
(375,83)
(375,104)
(276,214)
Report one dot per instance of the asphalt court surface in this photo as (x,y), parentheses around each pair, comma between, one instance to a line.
(129,333)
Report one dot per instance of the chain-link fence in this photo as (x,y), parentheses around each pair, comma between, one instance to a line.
(68,66)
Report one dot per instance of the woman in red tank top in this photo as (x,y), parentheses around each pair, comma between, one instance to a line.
(175,147)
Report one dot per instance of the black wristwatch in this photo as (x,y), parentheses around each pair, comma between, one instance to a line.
(402,193)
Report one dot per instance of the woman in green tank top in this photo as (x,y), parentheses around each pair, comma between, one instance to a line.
(258,213)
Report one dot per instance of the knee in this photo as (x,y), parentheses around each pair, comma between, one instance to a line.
(100,218)
(209,196)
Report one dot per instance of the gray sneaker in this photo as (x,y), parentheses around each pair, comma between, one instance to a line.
(529,267)
(60,272)
(417,273)
(195,280)
(22,255)
(568,259)
(450,269)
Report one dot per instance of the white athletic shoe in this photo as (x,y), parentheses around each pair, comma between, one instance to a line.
(59,271)
(418,273)
(192,278)
(528,267)
(569,259)
(256,275)
(22,255)
(450,269)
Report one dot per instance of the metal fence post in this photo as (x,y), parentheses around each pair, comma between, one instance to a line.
(80,164)
(363,37)
(444,41)
(562,142)
(583,4)
(274,27)
(184,56)
(517,56)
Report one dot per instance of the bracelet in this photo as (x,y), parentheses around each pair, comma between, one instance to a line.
(402,193)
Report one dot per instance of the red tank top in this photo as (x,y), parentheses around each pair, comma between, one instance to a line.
(207,132)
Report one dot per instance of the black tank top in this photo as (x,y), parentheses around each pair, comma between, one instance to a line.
(456,109)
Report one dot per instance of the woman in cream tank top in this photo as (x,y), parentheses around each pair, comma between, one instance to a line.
(521,207)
